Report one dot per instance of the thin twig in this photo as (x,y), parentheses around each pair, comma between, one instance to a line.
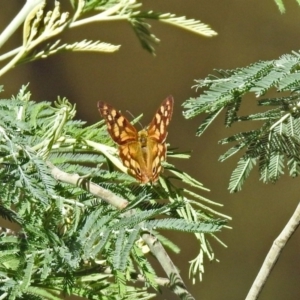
(273,255)
(103,16)
(176,283)
(89,186)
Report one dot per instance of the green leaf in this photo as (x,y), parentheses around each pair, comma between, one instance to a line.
(184,225)
(240,173)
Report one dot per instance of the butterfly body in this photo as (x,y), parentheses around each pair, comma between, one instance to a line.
(141,152)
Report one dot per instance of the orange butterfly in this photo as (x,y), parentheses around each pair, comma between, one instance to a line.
(140,151)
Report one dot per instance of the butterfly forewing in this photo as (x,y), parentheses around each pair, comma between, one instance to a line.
(141,152)
(119,128)
(157,129)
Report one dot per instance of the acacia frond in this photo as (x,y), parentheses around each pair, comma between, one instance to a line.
(85,45)
(142,31)
(183,225)
(195,26)
(78,215)
(9,215)
(240,174)
(144,265)
(277,140)
(42,24)
(209,119)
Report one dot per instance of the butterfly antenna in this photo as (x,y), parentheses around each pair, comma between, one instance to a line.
(129,112)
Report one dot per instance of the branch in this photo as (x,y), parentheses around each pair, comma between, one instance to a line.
(159,280)
(139,277)
(273,255)
(176,283)
(19,19)
(89,186)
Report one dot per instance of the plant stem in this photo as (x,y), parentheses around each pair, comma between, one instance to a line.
(273,255)
(176,283)
(101,16)
(93,188)
(18,20)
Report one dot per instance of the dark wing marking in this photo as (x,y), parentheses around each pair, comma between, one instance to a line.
(119,128)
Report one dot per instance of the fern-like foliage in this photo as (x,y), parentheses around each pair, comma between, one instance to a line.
(82,217)
(43,23)
(276,143)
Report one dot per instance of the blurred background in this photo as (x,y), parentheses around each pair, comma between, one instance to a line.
(134,80)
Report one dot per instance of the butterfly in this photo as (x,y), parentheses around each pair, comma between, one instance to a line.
(140,151)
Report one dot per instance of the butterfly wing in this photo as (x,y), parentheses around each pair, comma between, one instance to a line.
(134,159)
(156,137)
(119,128)
(143,163)
(157,129)
(141,152)
(126,136)
(157,154)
